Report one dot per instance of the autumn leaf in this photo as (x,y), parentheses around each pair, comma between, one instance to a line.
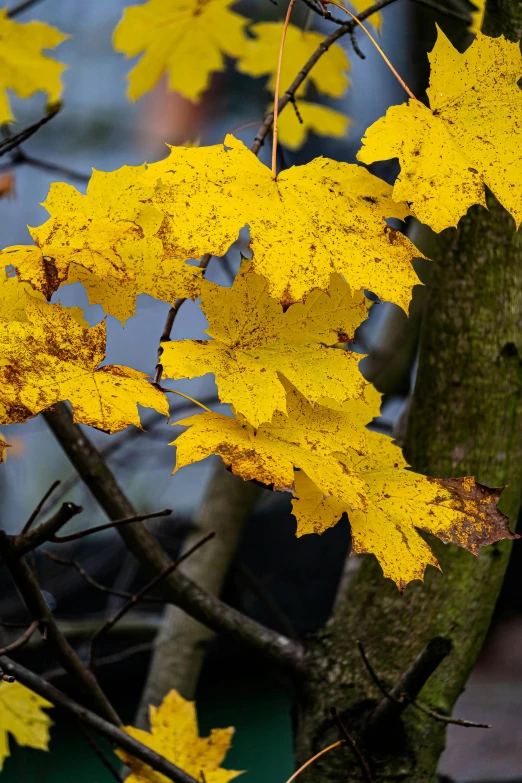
(344,467)
(255,341)
(107,239)
(469,137)
(477,16)
(22,716)
(13,299)
(295,125)
(7,185)
(174,735)
(314,220)
(51,358)
(23,66)
(261,54)
(186,40)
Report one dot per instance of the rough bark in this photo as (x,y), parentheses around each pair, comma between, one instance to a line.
(466,419)
(182,642)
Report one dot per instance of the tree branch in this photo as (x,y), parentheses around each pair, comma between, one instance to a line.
(39,507)
(177,588)
(21,7)
(23,639)
(93,721)
(108,525)
(33,599)
(26,542)
(14,141)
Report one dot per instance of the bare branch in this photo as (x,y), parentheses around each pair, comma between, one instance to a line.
(363,764)
(114,734)
(23,639)
(134,599)
(178,589)
(30,592)
(117,523)
(39,507)
(93,582)
(24,543)
(100,754)
(21,158)
(14,141)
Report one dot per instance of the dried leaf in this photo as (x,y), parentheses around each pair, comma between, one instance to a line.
(469,137)
(51,358)
(7,185)
(255,341)
(187,40)
(22,716)
(174,735)
(23,67)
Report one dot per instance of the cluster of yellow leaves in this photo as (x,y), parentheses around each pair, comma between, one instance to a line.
(344,467)
(174,735)
(23,66)
(109,239)
(22,716)
(469,137)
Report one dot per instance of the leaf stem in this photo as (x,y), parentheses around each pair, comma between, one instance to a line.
(276,96)
(321,753)
(191,399)
(374,42)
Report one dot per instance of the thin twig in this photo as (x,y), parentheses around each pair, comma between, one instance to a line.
(21,7)
(108,525)
(317,755)
(355,46)
(39,507)
(15,141)
(363,764)
(469,724)
(276,91)
(100,754)
(73,563)
(23,639)
(144,590)
(113,733)
(20,158)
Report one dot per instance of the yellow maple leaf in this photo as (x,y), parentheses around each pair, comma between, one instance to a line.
(293,130)
(187,40)
(346,467)
(174,735)
(109,240)
(51,357)
(469,137)
(261,54)
(23,67)
(255,341)
(22,716)
(313,220)
(13,300)
(362,5)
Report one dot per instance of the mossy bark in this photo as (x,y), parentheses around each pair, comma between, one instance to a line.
(466,419)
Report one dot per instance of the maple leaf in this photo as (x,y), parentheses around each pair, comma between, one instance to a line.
(174,735)
(23,66)
(13,298)
(22,716)
(187,40)
(344,467)
(313,220)
(107,239)
(261,54)
(255,341)
(468,138)
(293,130)
(477,17)
(362,5)
(51,357)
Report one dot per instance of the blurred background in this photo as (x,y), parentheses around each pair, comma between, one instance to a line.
(286,583)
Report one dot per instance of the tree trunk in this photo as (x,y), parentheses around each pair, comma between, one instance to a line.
(182,642)
(466,419)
